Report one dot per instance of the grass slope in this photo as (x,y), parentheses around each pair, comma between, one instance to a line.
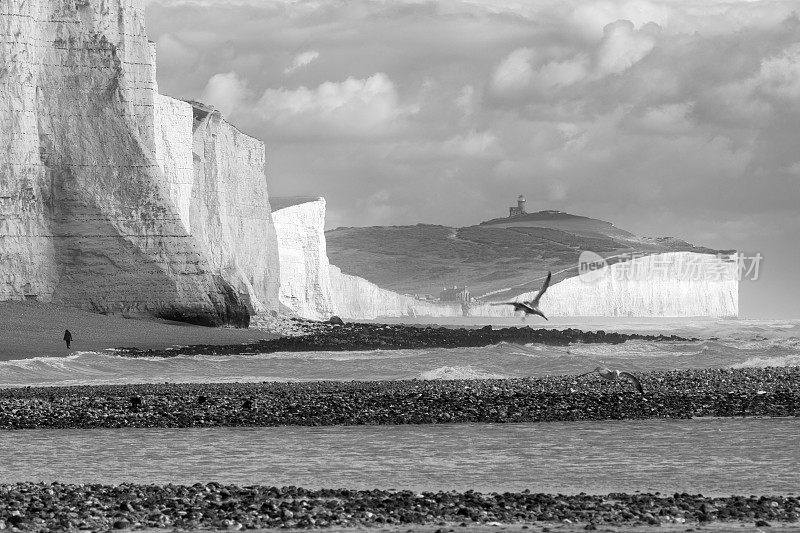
(504,256)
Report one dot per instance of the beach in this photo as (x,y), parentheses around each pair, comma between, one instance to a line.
(676,394)
(213,506)
(34,329)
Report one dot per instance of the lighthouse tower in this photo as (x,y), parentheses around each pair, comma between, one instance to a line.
(520,209)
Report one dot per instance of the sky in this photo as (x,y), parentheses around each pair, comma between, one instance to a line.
(672,118)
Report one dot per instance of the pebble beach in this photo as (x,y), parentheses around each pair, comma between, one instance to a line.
(61,507)
(676,394)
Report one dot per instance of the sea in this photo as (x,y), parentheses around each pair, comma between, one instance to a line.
(709,456)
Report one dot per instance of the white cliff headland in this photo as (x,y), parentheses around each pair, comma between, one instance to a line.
(305,283)
(114,198)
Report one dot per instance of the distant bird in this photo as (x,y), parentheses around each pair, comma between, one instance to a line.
(531,307)
(615,375)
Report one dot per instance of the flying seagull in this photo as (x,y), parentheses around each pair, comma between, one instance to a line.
(615,375)
(531,307)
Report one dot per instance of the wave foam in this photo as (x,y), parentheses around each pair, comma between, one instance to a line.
(765,362)
(459,372)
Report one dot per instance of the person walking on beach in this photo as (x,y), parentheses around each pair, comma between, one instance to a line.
(67,337)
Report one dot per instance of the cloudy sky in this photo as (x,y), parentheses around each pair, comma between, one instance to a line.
(678,117)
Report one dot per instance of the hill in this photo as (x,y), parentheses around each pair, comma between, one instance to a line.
(497,259)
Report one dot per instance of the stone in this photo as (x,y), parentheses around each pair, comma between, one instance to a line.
(136,403)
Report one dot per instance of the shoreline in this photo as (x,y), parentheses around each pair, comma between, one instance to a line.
(56,506)
(771,392)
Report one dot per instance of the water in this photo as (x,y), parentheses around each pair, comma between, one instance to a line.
(712,457)
(724,343)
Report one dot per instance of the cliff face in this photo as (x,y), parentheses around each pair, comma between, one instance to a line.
(230,213)
(357,298)
(174,146)
(305,287)
(93,203)
(678,284)
(681,284)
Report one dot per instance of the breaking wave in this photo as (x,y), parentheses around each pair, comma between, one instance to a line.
(459,372)
(766,362)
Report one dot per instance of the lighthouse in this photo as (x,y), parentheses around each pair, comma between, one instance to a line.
(520,209)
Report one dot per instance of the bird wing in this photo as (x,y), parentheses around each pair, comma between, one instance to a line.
(538,297)
(527,308)
(633,379)
(506,303)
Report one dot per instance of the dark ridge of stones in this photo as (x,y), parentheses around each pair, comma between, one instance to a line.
(60,507)
(773,392)
(339,336)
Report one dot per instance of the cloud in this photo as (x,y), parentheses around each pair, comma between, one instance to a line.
(226,92)
(301,60)
(173,55)
(526,73)
(514,74)
(472,145)
(667,118)
(467,100)
(623,46)
(779,76)
(354,108)
(563,73)
(592,17)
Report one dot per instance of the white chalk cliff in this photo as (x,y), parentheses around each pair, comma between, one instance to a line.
(675,284)
(112,197)
(305,283)
(357,298)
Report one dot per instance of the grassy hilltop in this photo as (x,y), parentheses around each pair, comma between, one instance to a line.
(510,255)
